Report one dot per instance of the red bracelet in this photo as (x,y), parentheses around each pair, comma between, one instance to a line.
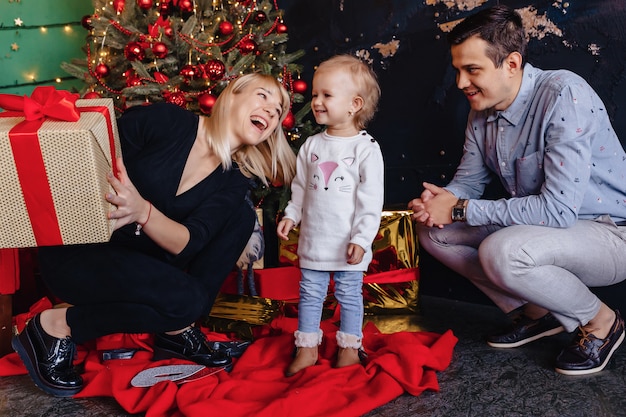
(141,225)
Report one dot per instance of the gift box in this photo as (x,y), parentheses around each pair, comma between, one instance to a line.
(55,152)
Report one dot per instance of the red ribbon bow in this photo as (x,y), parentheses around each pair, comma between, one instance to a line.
(45,102)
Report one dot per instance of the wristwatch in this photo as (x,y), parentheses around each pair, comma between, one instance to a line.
(459,209)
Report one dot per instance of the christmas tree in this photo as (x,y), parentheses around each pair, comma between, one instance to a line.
(185,52)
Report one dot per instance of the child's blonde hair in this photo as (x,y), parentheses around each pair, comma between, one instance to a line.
(365,80)
(273,159)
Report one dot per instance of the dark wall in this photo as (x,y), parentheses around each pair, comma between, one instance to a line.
(422,115)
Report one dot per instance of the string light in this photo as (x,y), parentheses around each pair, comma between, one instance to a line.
(30,77)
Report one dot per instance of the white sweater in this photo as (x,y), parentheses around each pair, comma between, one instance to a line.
(337,198)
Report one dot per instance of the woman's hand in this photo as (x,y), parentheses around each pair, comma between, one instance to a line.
(130,205)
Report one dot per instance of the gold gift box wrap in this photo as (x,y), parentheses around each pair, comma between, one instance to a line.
(69,188)
(241,314)
(391,283)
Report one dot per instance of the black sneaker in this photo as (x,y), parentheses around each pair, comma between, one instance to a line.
(587,354)
(191,345)
(525,330)
(49,360)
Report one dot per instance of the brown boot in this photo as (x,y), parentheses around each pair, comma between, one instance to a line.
(305,357)
(347,356)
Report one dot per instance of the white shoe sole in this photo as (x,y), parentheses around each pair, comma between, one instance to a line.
(547,333)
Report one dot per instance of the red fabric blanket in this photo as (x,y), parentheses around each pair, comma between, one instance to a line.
(397,363)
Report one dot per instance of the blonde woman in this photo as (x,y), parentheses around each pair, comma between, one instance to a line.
(182,223)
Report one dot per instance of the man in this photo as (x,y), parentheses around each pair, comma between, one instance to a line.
(547,137)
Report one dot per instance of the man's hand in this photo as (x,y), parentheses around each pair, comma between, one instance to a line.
(434,208)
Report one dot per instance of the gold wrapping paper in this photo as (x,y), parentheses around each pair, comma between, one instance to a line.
(239,314)
(77,158)
(395,245)
(394,249)
(253,310)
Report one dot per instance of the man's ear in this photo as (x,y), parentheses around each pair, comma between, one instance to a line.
(514,62)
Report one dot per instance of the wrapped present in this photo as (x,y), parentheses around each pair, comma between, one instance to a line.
(243,316)
(55,152)
(391,292)
(391,283)
(395,245)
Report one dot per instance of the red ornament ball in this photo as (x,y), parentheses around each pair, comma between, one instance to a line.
(144,4)
(247,46)
(206,102)
(86,22)
(165,8)
(260,17)
(226,28)
(159,49)
(289,122)
(134,51)
(186,6)
(102,70)
(91,94)
(281,28)
(215,69)
(118,5)
(176,97)
(133,81)
(169,32)
(300,86)
(190,72)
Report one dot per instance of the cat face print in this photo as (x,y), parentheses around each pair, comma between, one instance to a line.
(331,175)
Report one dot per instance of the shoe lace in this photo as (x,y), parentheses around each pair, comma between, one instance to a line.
(66,349)
(583,338)
(196,339)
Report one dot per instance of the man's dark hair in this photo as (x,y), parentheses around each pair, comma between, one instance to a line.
(500,26)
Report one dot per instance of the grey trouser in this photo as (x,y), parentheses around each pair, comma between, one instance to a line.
(549,267)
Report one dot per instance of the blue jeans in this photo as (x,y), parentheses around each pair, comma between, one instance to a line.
(546,266)
(349,294)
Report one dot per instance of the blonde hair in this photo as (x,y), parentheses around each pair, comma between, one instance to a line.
(365,81)
(273,159)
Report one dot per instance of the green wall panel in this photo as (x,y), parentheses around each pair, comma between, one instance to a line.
(37,61)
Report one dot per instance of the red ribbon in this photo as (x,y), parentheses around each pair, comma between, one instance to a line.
(45,103)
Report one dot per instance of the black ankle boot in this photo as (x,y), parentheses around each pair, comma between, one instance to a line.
(190,345)
(49,360)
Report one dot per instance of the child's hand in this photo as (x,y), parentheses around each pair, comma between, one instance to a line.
(283,228)
(355,254)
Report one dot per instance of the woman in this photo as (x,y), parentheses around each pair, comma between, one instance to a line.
(181,224)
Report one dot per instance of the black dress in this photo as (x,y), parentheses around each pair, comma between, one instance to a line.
(130,284)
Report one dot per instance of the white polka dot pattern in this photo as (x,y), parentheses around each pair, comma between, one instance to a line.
(76,158)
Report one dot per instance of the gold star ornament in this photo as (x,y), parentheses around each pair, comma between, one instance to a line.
(14,47)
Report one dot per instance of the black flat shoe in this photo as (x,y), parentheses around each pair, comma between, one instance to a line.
(191,345)
(525,330)
(49,360)
(588,354)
